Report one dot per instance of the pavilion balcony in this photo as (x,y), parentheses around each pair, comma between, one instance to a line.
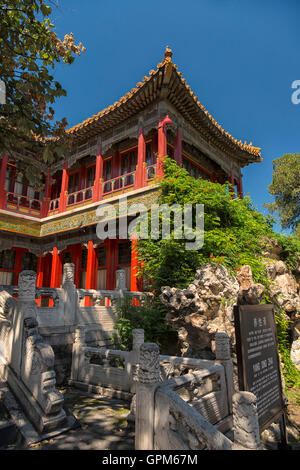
(54,206)
(23,204)
(119,184)
(79,197)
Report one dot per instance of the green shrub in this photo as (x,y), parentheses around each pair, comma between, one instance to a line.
(150,316)
(234,230)
(290,371)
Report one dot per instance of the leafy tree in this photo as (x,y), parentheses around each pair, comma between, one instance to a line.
(29,50)
(285,188)
(233,232)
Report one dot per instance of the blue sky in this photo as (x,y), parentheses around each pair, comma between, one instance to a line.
(240,58)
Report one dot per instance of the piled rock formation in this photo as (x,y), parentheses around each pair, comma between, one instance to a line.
(203,309)
(284,291)
(206,306)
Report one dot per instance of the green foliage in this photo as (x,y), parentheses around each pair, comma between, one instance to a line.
(290,372)
(233,229)
(150,316)
(29,49)
(291,250)
(233,237)
(285,188)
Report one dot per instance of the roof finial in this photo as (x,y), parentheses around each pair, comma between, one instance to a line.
(168,54)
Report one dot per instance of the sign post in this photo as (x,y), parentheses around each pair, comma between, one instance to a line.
(258,362)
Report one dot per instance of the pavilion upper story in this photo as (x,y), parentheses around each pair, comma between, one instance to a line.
(121,149)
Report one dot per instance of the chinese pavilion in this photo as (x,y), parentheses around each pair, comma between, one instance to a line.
(119,150)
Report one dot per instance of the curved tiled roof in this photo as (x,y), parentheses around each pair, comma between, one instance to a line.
(179,94)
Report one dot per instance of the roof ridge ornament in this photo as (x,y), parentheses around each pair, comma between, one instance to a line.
(168,54)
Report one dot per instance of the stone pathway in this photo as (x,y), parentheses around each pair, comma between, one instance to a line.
(102,425)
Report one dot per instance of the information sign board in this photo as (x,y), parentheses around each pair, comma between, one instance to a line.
(258,360)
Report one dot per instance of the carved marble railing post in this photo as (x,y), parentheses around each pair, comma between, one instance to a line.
(132,365)
(138,339)
(7,310)
(134,355)
(245,421)
(223,357)
(77,354)
(148,381)
(70,295)
(26,309)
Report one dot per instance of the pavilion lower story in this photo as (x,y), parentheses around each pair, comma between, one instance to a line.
(95,261)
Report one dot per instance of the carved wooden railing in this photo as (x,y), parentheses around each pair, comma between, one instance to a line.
(54,205)
(23,204)
(120,183)
(151,171)
(80,196)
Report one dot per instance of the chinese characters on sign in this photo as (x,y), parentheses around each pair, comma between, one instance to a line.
(258,362)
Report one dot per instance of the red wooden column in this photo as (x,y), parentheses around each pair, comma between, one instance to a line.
(76,260)
(178,147)
(97,188)
(56,269)
(162,145)
(231,181)
(214,178)
(111,248)
(64,189)
(240,187)
(40,274)
(3,169)
(90,282)
(141,168)
(47,196)
(47,270)
(134,265)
